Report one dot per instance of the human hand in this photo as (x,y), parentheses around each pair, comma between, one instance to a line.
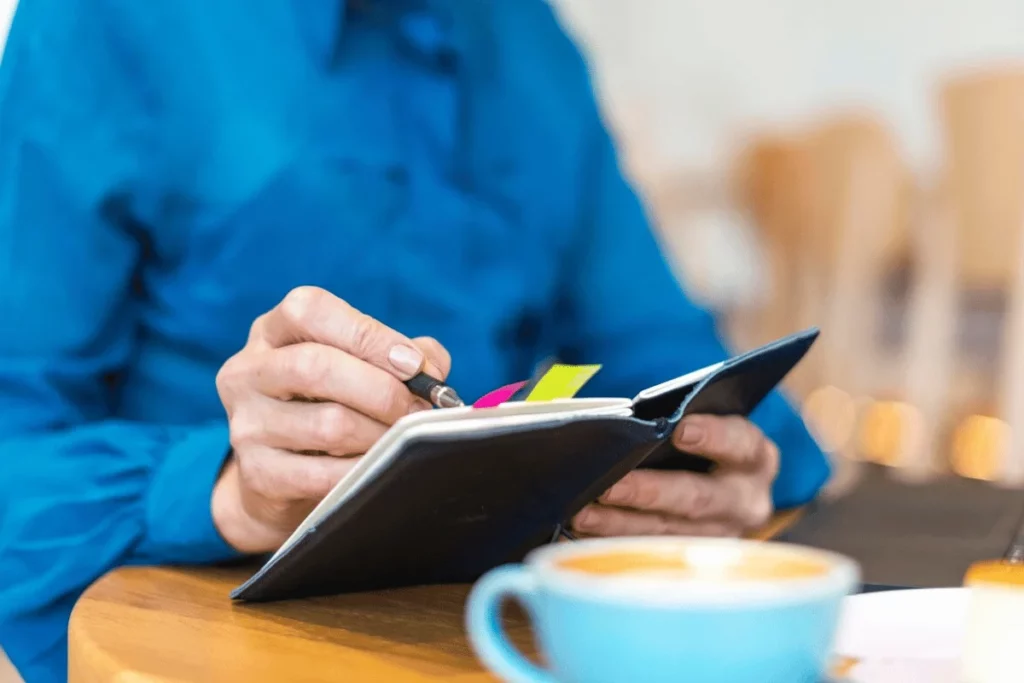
(316,384)
(733,499)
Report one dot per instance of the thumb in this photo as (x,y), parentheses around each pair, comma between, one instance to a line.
(439,361)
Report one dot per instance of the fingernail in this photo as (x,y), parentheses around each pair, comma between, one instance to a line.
(406,359)
(616,494)
(690,435)
(584,520)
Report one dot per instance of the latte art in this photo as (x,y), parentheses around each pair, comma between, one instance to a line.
(750,566)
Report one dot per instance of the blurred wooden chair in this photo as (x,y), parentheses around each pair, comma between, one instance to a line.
(830,205)
(772,185)
(858,233)
(970,241)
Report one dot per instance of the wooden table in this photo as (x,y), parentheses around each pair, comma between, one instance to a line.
(156,624)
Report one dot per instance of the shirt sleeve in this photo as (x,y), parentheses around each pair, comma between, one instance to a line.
(627,311)
(80,491)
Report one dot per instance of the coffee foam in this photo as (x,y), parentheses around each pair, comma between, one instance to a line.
(754,565)
(671,571)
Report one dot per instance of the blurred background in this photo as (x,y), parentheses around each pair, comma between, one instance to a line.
(852,164)
(856,165)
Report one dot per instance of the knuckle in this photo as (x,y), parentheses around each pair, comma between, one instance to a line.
(256,329)
(700,502)
(363,335)
(226,378)
(604,523)
(307,365)
(734,439)
(315,483)
(662,525)
(772,458)
(245,430)
(392,399)
(753,444)
(644,492)
(256,476)
(330,426)
(232,373)
(299,306)
(759,511)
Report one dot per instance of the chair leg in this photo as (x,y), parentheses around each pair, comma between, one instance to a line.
(929,351)
(1012,376)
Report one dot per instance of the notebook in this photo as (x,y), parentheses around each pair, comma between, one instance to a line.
(446,495)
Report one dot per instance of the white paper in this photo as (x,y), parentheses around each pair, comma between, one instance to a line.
(904,636)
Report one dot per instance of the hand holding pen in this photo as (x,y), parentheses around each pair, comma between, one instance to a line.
(316,383)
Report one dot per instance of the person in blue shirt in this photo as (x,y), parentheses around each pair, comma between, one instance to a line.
(382,187)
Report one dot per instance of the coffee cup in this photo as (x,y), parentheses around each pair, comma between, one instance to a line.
(666,609)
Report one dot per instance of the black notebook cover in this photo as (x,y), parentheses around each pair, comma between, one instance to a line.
(450,506)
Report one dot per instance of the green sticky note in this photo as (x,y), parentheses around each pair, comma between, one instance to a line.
(562,381)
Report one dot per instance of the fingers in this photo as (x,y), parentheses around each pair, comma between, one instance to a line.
(311,314)
(601,520)
(281,477)
(732,442)
(315,371)
(688,495)
(300,427)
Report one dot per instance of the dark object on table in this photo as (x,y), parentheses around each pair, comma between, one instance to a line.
(914,535)
(880,588)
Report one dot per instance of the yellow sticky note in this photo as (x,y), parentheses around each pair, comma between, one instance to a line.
(562,381)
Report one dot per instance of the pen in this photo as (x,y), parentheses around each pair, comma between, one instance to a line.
(435,391)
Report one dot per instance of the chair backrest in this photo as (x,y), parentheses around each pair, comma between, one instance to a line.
(771,184)
(983,180)
(983,121)
(859,191)
(772,180)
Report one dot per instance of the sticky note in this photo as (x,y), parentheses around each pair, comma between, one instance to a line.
(562,381)
(499,396)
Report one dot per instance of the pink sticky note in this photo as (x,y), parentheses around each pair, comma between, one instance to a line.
(499,396)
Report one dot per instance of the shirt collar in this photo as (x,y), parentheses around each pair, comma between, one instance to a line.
(323,23)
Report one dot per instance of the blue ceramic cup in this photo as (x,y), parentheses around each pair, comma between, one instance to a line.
(666,609)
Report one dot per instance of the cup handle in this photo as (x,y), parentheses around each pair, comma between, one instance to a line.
(483,621)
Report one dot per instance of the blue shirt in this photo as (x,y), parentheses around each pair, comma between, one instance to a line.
(169,170)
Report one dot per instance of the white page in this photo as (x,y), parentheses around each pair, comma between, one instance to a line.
(692,378)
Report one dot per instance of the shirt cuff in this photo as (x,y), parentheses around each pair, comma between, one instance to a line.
(179,522)
(803,471)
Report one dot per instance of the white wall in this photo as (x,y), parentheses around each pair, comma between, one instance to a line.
(705,71)
(685,81)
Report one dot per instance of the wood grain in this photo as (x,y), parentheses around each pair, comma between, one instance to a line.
(169,625)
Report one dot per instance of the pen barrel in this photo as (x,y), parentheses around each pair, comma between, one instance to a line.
(433,390)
